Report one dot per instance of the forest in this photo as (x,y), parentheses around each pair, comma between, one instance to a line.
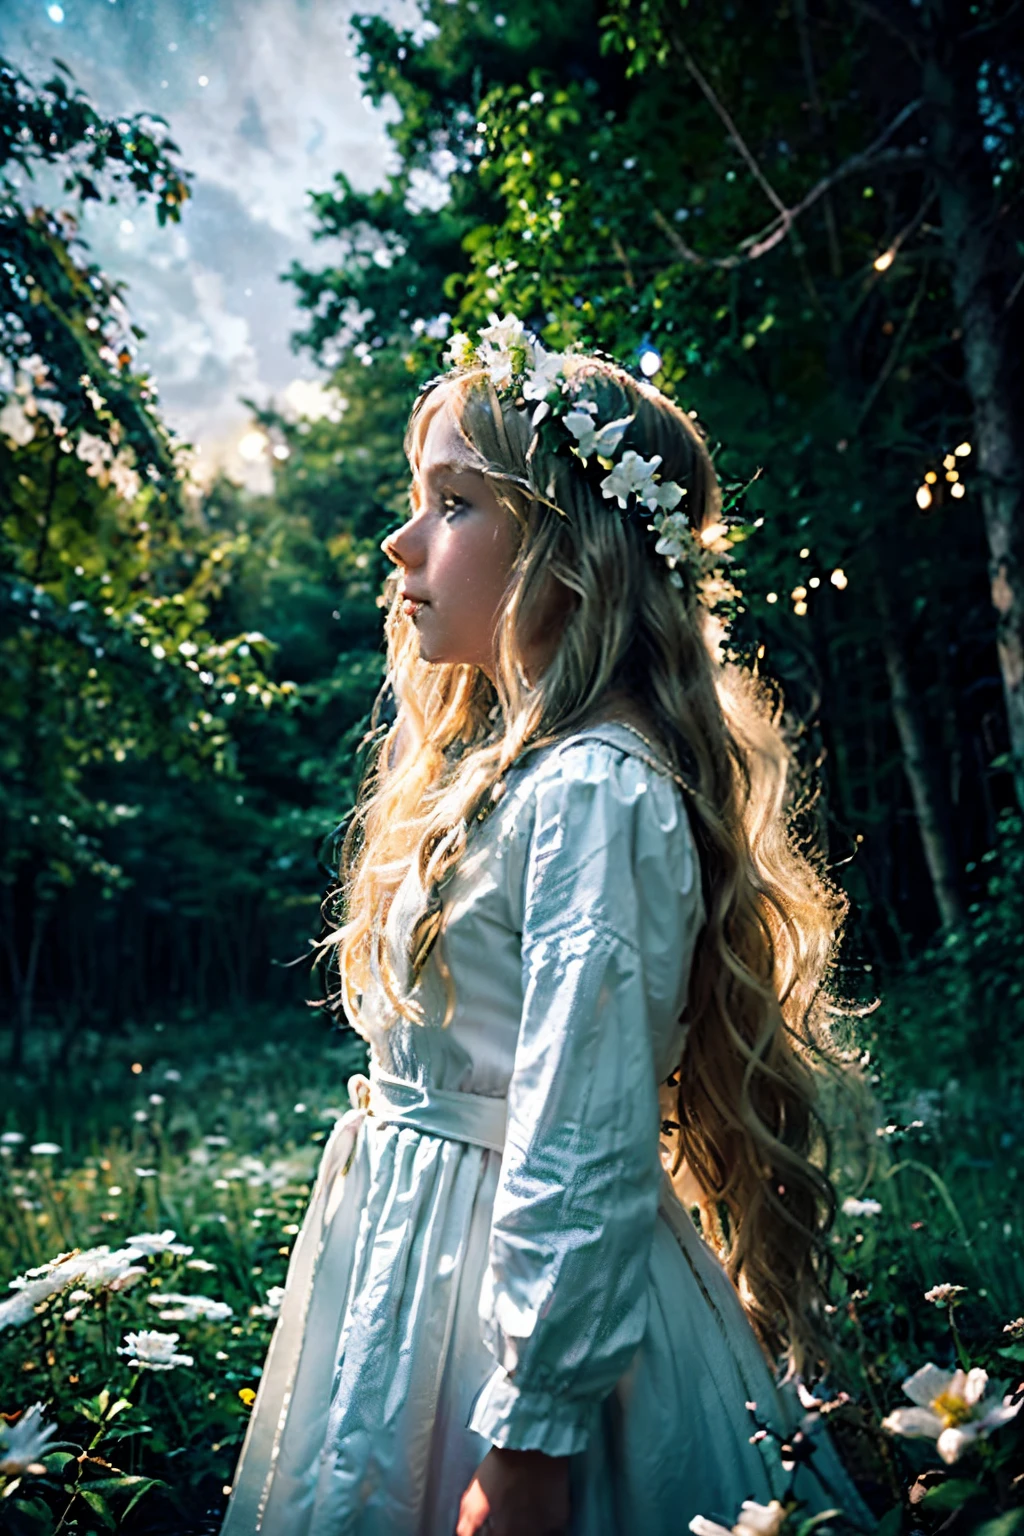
(805,223)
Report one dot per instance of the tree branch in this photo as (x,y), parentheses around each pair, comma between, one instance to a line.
(899,341)
(730,127)
(755,246)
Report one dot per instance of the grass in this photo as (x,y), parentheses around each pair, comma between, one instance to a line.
(212,1130)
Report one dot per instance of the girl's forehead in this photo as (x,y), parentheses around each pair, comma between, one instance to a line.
(440,445)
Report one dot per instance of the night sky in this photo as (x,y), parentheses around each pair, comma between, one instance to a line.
(279,114)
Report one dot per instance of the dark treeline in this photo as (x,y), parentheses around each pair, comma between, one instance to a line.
(804,223)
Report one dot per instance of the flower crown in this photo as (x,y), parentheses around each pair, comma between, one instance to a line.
(554,383)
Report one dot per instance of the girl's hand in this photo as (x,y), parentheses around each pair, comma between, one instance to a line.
(516,1493)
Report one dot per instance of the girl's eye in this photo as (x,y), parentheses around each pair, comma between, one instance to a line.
(452,504)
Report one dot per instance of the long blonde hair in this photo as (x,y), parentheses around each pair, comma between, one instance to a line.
(747,1132)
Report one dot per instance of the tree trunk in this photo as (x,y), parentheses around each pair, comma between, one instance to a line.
(931,803)
(978,249)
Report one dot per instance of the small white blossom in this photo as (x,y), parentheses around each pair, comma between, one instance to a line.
(124,478)
(950,1407)
(16,424)
(159,1242)
(12,1139)
(632,476)
(945,1295)
(153,1351)
(592,438)
(459,352)
(754,1520)
(544,375)
(202,1265)
(189,1309)
(99,1269)
(53,411)
(25,1443)
(45,1149)
(501,336)
(855,1207)
(94,452)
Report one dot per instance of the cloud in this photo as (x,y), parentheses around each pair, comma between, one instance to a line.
(280,113)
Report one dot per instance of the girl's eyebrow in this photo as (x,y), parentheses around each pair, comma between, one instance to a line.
(452,467)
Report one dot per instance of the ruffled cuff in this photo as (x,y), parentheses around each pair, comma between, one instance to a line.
(531,1421)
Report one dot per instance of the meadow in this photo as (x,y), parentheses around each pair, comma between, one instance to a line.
(173,1162)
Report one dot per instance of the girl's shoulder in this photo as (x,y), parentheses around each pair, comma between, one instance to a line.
(595,752)
(605,771)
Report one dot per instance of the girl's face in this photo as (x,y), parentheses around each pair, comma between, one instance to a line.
(456,552)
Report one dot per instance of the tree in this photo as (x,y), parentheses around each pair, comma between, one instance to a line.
(753,224)
(107,574)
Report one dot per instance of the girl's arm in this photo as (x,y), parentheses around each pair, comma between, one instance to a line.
(611,895)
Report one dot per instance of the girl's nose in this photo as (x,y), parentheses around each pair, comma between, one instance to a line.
(404,546)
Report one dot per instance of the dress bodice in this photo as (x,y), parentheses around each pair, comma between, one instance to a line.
(596,806)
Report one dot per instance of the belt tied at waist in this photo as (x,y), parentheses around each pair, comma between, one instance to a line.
(475,1118)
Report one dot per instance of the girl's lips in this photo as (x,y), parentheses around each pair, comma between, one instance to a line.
(412,605)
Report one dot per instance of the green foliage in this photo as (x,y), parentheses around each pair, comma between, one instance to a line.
(221,1148)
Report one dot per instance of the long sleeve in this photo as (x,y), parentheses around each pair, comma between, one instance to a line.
(611,903)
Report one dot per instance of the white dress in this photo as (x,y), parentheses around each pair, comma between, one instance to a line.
(492,1253)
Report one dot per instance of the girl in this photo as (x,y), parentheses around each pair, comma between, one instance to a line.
(568,885)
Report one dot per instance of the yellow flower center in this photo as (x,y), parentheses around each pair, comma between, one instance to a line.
(952,1410)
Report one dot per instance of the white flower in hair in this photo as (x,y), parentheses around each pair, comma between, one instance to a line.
(672,530)
(544,375)
(634,476)
(505,347)
(592,438)
(460,351)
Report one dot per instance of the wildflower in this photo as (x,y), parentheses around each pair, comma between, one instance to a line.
(53,411)
(159,1242)
(190,1309)
(272,1306)
(99,1269)
(945,1295)
(854,1207)
(16,424)
(172,1075)
(24,1444)
(45,1149)
(145,1173)
(951,1408)
(124,478)
(152,1351)
(754,1520)
(94,452)
(203,1265)
(11,1139)
(1015,1329)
